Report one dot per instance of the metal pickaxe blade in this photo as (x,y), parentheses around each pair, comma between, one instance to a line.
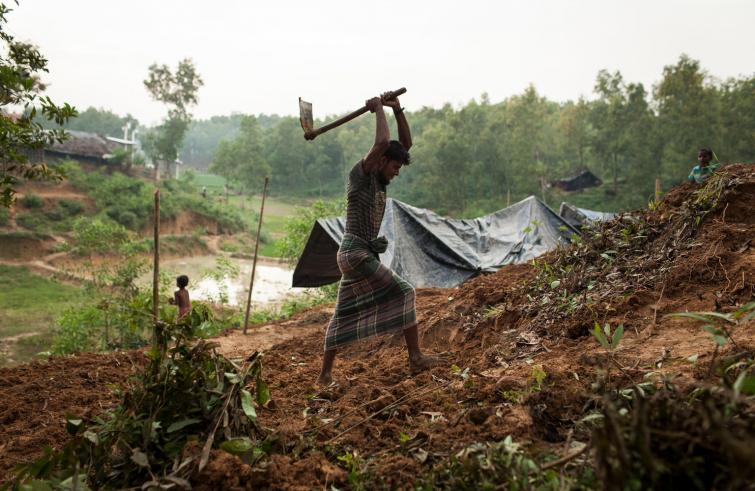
(307,121)
(305,117)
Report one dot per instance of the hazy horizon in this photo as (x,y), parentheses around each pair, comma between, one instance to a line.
(337,54)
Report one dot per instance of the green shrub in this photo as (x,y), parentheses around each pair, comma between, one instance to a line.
(78,330)
(129,201)
(183,394)
(33,221)
(55,215)
(300,225)
(4,217)
(98,235)
(69,168)
(119,157)
(31,201)
(128,219)
(132,247)
(71,207)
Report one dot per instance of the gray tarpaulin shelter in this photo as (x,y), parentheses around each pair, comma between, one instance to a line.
(429,250)
(582,216)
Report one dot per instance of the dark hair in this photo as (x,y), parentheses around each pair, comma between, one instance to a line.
(396,151)
(182,281)
(707,151)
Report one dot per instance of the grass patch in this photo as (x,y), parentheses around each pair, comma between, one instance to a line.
(243,245)
(277,212)
(270,249)
(31,306)
(211,181)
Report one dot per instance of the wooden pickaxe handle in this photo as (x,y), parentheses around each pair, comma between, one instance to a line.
(311,135)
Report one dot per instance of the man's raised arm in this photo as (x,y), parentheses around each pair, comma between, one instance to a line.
(382,137)
(404,133)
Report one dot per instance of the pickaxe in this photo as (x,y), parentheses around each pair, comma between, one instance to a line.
(307,122)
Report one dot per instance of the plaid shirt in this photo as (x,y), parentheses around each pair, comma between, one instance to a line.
(701,174)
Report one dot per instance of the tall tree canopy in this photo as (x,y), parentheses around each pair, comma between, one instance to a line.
(20,90)
(242,159)
(178,90)
(97,120)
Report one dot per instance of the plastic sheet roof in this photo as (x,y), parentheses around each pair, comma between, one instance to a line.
(429,250)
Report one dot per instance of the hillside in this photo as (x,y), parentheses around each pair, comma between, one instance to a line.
(72,232)
(521,364)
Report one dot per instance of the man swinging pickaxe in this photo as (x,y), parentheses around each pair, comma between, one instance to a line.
(372,299)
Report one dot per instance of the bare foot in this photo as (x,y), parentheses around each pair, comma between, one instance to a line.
(423,362)
(324,380)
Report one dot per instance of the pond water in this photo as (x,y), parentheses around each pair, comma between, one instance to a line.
(272,280)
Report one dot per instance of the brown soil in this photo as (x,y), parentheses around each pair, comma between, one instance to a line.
(54,191)
(499,330)
(36,398)
(22,248)
(490,326)
(184,223)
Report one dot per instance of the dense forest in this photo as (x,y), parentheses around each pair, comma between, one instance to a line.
(469,160)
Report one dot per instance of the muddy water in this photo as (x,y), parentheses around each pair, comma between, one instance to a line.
(272,281)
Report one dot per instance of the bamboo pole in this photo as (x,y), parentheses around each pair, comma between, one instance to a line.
(657,189)
(254,262)
(156,267)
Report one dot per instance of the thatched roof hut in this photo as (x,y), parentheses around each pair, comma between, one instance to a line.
(82,145)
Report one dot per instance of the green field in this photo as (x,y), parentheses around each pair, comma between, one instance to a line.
(212,182)
(30,308)
(277,211)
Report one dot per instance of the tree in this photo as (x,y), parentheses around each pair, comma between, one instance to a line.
(688,116)
(530,142)
(241,160)
(738,120)
(574,123)
(623,138)
(178,91)
(101,121)
(20,88)
(203,136)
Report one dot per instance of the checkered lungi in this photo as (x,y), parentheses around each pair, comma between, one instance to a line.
(372,299)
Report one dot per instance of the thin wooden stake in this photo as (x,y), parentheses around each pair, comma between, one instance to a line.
(254,263)
(657,189)
(156,267)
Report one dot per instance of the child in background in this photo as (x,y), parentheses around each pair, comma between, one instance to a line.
(181,296)
(701,172)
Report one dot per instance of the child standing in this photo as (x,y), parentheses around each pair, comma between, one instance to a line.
(181,296)
(701,172)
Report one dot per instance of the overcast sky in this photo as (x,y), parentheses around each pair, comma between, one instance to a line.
(260,56)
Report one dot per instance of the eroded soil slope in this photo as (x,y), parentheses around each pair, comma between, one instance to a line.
(693,253)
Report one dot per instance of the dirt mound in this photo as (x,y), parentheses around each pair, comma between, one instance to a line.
(519,337)
(36,398)
(520,359)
